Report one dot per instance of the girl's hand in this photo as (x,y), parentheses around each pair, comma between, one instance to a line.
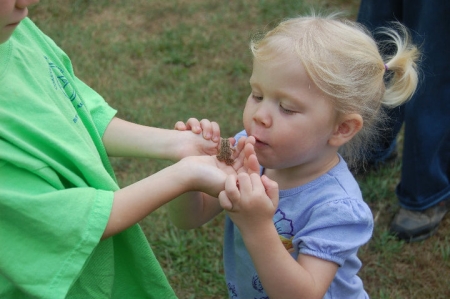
(245,161)
(249,199)
(244,155)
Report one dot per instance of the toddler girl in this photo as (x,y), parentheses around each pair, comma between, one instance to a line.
(317,87)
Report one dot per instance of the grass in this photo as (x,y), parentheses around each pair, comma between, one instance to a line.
(162,61)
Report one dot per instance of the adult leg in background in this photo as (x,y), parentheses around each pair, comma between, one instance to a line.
(424,189)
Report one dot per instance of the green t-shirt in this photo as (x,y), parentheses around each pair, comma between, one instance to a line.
(56,185)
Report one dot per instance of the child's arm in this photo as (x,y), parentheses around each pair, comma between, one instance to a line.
(196,175)
(131,204)
(254,200)
(193,209)
(126,139)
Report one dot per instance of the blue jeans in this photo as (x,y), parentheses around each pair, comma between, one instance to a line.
(425,173)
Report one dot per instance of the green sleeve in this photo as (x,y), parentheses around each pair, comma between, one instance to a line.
(100,111)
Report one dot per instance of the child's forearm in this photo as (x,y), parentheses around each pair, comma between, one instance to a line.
(280,274)
(193,209)
(126,139)
(131,204)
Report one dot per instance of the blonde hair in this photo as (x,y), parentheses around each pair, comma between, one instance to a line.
(343,60)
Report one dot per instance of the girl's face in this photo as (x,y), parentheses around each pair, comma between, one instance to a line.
(11,13)
(291,119)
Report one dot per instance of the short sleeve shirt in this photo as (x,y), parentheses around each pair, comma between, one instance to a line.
(57,185)
(326,218)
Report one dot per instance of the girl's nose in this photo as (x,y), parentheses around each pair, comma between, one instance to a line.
(262,116)
(21,4)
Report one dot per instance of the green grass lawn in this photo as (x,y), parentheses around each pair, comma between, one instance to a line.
(162,61)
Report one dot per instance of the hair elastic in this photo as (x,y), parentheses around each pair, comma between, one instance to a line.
(386,67)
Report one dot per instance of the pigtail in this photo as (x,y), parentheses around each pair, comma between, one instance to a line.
(401,66)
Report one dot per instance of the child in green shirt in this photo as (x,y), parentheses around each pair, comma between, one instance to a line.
(66,228)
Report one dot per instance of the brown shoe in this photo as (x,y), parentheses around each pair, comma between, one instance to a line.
(414,226)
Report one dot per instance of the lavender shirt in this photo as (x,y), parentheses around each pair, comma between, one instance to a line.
(326,218)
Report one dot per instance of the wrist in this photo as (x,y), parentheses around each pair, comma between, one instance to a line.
(169,147)
(201,174)
(186,174)
(176,146)
(257,230)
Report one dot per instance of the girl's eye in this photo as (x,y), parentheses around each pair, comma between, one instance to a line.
(287,111)
(257,98)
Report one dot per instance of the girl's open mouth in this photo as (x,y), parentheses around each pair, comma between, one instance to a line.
(260,143)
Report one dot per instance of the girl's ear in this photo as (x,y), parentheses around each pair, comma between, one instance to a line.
(347,127)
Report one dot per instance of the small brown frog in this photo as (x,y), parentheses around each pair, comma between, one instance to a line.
(225,152)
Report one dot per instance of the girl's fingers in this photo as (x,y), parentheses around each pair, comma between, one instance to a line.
(238,146)
(251,140)
(252,163)
(232,189)
(245,184)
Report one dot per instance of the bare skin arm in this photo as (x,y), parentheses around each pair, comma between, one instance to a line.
(131,204)
(126,139)
(134,202)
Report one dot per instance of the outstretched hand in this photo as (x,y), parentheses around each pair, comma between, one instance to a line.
(244,156)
